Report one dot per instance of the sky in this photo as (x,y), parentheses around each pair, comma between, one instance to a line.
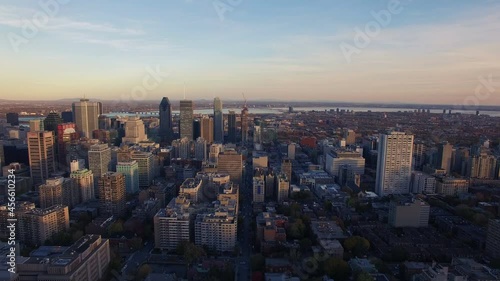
(387,51)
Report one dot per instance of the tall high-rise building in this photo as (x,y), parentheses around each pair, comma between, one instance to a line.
(207,129)
(66,132)
(59,191)
(131,172)
(270,192)
(171,225)
(395,153)
(213,154)
(196,128)
(444,157)
(38,225)
(2,156)
(259,186)
(104,122)
(349,136)
(419,150)
(99,162)
(181,148)
(286,168)
(13,118)
(85,182)
(201,149)
(244,124)
(218,121)
(231,162)
(218,229)
(147,167)
(51,121)
(36,125)
(482,166)
(67,116)
(41,155)
(134,131)
(291,151)
(166,127)
(231,127)
(283,184)
(86,116)
(493,238)
(112,194)
(186,119)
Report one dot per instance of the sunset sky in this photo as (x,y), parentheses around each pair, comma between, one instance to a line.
(428,52)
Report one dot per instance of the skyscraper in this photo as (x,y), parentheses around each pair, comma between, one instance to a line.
(66,132)
(112,194)
(244,124)
(444,157)
(134,131)
(259,186)
(349,136)
(59,191)
(171,225)
(36,125)
(218,121)
(86,116)
(231,162)
(166,131)
(286,168)
(207,129)
(395,153)
(13,118)
(283,187)
(186,119)
(231,127)
(147,167)
(41,155)
(85,182)
(51,121)
(67,116)
(99,162)
(131,171)
(493,238)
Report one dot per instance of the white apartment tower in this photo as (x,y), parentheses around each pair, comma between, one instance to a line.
(395,151)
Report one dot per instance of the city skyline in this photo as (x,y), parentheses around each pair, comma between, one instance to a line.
(434,54)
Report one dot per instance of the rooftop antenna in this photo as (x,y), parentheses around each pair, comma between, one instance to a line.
(184,90)
(245,99)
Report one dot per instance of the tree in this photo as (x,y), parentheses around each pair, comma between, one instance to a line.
(116,228)
(305,244)
(297,229)
(364,276)
(357,245)
(328,205)
(337,269)
(143,271)
(257,262)
(192,253)
(399,254)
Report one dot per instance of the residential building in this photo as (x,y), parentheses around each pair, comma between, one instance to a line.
(171,224)
(112,194)
(394,164)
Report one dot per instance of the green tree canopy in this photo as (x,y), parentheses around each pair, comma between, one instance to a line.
(337,269)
